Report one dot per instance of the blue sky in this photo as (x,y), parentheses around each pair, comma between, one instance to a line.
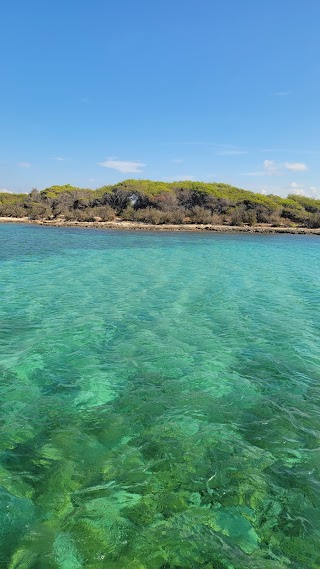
(97,92)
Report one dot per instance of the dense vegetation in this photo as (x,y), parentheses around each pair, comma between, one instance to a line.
(159,202)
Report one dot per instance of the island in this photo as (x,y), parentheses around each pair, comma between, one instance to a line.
(146,204)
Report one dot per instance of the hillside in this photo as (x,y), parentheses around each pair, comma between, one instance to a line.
(160,202)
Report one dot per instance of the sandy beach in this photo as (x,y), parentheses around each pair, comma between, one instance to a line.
(135,226)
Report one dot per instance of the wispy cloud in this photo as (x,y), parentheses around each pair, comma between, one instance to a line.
(123,166)
(220,149)
(24,164)
(283,93)
(60,158)
(229,150)
(254,173)
(289,151)
(269,150)
(296,166)
(5,191)
(185,143)
(177,160)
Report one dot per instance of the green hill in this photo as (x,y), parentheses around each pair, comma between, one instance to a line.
(163,202)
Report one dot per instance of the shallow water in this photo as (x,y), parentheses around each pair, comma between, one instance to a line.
(159,400)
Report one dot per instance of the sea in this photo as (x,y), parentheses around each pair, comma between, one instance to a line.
(159,400)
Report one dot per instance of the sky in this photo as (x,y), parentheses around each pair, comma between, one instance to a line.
(96,92)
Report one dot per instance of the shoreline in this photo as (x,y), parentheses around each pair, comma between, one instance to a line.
(137,226)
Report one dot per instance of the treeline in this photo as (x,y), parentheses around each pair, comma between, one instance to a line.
(159,202)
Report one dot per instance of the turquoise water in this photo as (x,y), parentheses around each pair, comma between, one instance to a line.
(159,400)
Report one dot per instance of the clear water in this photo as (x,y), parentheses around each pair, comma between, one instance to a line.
(159,400)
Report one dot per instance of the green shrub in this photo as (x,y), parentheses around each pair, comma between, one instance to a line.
(200,214)
(314,221)
(39,211)
(148,215)
(105,212)
(238,216)
(12,210)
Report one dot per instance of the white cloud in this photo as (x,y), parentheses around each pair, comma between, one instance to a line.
(122,165)
(24,164)
(296,166)
(5,191)
(304,190)
(270,167)
(314,191)
(295,186)
(60,158)
(177,160)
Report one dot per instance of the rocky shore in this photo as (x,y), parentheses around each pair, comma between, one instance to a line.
(135,226)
